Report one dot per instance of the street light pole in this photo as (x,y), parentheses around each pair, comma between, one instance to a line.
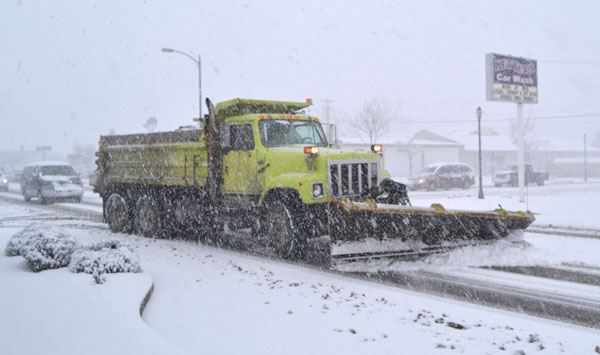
(585,158)
(199,63)
(480,196)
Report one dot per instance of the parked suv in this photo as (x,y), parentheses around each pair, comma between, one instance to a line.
(50,181)
(443,176)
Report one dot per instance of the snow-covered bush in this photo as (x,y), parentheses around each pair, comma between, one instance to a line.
(109,256)
(49,250)
(22,239)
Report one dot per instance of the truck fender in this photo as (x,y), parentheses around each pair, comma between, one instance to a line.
(300,184)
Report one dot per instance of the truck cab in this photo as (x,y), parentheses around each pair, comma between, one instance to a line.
(283,151)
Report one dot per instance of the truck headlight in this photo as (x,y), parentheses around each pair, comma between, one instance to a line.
(317,190)
(5,181)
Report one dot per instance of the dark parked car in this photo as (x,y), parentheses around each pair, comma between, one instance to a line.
(50,181)
(443,176)
(510,176)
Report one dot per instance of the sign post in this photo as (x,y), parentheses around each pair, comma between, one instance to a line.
(513,79)
(43,149)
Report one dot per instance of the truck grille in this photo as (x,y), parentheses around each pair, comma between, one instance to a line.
(350,178)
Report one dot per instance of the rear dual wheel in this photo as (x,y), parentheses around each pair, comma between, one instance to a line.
(118,214)
(147,216)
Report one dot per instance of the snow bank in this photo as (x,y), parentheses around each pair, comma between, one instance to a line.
(108,256)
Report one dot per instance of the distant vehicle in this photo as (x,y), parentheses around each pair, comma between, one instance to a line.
(3,181)
(51,181)
(443,176)
(510,176)
(15,175)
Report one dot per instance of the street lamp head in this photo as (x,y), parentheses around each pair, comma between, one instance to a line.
(168,50)
(478,111)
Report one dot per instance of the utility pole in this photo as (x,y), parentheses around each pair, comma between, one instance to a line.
(480,196)
(585,158)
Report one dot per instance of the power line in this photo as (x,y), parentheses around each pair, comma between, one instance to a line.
(568,62)
(508,119)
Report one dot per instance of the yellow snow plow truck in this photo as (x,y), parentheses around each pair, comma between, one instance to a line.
(267,166)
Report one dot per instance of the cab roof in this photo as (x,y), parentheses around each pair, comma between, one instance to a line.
(238,107)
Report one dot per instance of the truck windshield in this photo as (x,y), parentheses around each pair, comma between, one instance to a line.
(57,170)
(277,133)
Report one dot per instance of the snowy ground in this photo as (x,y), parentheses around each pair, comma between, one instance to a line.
(564,202)
(212,301)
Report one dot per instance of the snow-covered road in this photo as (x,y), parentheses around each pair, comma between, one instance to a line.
(208,300)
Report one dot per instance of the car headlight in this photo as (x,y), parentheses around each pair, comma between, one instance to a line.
(317,190)
(5,181)
(421,181)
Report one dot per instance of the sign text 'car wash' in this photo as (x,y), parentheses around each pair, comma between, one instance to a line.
(511,79)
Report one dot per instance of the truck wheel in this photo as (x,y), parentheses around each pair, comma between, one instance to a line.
(117,214)
(282,232)
(43,200)
(26,198)
(466,185)
(540,183)
(147,216)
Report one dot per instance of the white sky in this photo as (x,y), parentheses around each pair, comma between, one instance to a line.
(71,70)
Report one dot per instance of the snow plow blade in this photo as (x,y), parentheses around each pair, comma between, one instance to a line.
(362,230)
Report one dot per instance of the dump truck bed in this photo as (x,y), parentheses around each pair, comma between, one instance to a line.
(162,158)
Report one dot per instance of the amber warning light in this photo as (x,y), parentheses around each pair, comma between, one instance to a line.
(311,150)
(377,148)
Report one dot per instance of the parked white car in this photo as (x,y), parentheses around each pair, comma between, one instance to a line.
(51,181)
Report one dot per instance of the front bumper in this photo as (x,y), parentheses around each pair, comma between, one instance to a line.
(418,185)
(72,191)
(501,180)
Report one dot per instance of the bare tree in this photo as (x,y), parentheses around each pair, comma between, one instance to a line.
(532,144)
(372,120)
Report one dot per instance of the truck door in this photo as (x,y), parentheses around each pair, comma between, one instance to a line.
(239,160)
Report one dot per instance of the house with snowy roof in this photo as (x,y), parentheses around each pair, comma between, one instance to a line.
(559,157)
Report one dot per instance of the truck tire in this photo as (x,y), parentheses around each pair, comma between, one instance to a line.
(147,216)
(281,231)
(118,214)
(540,183)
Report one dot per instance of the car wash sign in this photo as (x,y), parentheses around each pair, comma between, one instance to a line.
(511,79)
